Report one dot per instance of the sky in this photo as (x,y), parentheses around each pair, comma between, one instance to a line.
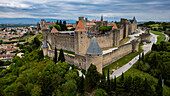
(143,10)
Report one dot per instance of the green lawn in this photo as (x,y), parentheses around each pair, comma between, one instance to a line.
(161,36)
(155,25)
(152,80)
(124,60)
(123,41)
(69,52)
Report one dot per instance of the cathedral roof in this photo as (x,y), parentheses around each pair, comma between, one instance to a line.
(134,20)
(54,30)
(94,48)
(114,26)
(45,44)
(80,26)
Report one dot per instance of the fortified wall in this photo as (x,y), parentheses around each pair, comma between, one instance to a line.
(87,47)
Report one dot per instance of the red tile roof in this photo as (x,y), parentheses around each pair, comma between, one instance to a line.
(53,23)
(45,27)
(90,23)
(114,27)
(54,30)
(80,26)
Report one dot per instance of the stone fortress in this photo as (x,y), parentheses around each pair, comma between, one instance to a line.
(87,42)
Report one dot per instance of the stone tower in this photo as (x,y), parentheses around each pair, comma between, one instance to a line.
(38,26)
(80,39)
(135,45)
(129,27)
(116,35)
(94,55)
(45,48)
(42,24)
(134,25)
(123,25)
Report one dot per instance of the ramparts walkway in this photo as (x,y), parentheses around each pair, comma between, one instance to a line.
(132,37)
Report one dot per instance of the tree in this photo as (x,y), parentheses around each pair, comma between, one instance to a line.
(103,29)
(136,86)
(143,56)
(2,93)
(115,84)
(147,88)
(55,56)
(57,22)
(139,57)
(20,89)
(1,41)
(36,91)
(163,46)
(154,47)
(159,87)
(69,88)
(80,84)
(64,22)
(128,83)
(121,84)
(1,63)
(56,26)
(164,28)
(36,43)
(100,92)
(40,54)
(60,22)
(103,83)
(92,78)
(108,81)
(61,56)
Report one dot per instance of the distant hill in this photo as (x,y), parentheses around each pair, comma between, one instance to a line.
(35,20)
(28,20)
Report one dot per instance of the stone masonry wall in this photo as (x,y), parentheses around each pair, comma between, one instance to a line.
(121,34)
(117,54)
(66,42)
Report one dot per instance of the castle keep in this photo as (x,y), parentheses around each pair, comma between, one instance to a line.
(86,41)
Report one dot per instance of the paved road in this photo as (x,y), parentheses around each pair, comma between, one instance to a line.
(4,66)
(167,37)
(124,68)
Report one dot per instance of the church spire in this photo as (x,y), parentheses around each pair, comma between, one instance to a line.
(102,18)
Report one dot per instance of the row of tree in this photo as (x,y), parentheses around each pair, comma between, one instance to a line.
(157,62)
(60,26)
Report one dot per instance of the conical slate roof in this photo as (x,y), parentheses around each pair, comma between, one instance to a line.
(54,30)
(94,48)
(45,45)
(80,26)
(134,20)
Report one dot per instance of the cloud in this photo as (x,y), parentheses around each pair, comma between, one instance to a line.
(72,9)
